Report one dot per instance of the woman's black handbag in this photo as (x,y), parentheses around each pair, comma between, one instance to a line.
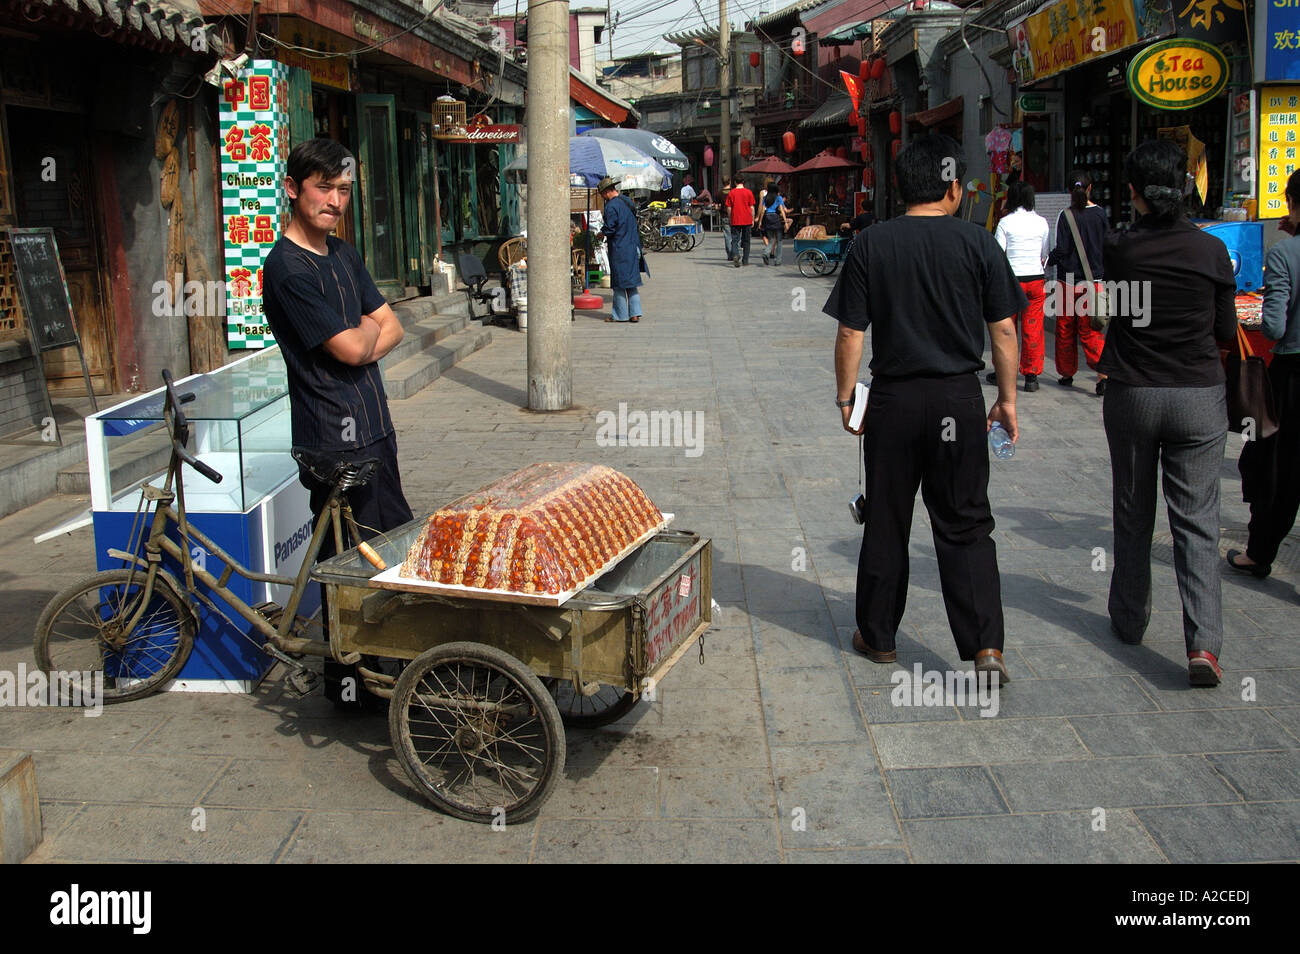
(1250,395)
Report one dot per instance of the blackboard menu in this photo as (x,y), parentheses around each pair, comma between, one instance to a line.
(44,288)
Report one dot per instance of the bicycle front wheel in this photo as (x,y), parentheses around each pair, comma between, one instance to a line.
(83,630)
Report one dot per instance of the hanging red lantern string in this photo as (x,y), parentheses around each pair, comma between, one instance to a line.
(869,178)
(868,154)
(746,147)
(841,152)
(708,157)
(895,122)
(894,147)
(788,141)
(864,71)
(753,59)
(878,68)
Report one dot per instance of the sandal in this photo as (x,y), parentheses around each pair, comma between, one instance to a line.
(635,318)
(609,319)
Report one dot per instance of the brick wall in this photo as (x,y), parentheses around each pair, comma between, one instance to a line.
(22,403)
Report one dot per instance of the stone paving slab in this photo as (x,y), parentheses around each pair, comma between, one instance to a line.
(786,745)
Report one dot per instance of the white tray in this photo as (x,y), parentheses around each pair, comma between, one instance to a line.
(391,580)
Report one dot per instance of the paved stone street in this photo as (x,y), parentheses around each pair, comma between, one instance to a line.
(785,745)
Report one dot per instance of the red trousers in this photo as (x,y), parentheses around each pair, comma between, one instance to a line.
(1071,329)
(1031,329)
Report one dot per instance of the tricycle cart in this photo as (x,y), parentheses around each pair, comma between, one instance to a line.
(479,682)
(678,237)
(821,256)
(476,714)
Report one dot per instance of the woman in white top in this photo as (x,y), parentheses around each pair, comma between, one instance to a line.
(1023,235)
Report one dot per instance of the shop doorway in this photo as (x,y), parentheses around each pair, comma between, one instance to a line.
(381,222)
(416,131)
(53,188)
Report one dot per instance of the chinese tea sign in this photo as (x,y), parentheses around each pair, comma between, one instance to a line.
(1279,132)
(1069,33)
(254,123)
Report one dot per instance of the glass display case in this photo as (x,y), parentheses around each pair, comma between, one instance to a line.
(259,513)
(239,425)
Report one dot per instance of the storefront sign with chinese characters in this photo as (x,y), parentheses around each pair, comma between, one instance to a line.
(1177,74)
(1279,137)
(254,122)
(333,70)
(1277,41)
(1070,33)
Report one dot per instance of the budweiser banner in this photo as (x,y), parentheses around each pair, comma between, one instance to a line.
(500,132)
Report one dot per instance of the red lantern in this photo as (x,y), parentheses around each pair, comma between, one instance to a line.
(878,68)
(753,59)
(862,125)
(894,147)
(864,70)
(708,157)
(746,147)
(869,178)
(868,154)
(841,152)
(787,142)
(895,122)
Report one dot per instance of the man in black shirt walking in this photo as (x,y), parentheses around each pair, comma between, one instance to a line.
(333,326)
(928,284)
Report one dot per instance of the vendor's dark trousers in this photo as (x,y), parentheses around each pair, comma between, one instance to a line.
(378,506)
(1181,431)
(740,242)
(929,433)
(1272,519)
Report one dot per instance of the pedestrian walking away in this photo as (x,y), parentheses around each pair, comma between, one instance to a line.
(626,261)
(1165,405)
(332,326)
(1072,328)
(928,284)
(1024,236)
(1269,465)
(724,213)
(774,223)
(740,202)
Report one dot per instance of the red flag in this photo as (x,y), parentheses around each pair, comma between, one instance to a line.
(854,86)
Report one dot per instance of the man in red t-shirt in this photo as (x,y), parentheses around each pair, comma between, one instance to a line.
(740,203)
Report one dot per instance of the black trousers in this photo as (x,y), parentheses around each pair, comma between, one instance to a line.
(1273,511)
(929,433)
(740,242)
(378,506)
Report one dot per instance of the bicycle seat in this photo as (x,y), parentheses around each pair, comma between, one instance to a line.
(334,470)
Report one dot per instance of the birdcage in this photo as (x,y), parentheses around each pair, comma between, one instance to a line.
(449,114)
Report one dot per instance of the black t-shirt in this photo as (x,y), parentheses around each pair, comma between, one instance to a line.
(927,285)
(1191,302)
(1093,226)
(310,298)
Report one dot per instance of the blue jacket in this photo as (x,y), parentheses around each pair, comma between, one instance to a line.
(624,243)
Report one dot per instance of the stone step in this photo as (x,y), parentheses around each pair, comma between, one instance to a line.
(128,461)
(20,810)
(423,334)
(406,378)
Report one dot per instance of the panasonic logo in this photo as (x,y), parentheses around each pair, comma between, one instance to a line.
(284,548)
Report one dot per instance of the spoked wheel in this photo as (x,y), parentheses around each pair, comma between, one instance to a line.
(654,241)
(609,704)
(812,262)
(682,242)
(477,733)
(83,630)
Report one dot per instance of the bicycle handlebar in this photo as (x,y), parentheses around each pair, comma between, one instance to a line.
(180,428)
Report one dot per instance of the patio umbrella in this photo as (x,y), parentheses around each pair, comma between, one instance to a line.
(825,160)
(772,166)
(592,159)
(643,140)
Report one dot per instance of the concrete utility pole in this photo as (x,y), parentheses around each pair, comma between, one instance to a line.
(550,370)
(724,90)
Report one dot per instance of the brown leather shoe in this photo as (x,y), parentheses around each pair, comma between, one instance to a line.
(875,655)
(990,660)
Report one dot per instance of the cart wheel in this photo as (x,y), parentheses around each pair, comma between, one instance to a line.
(608,705)
(654,241)
(682,242)
(477,732)
(834,265)
(81,631)
(812,262)
(695,240)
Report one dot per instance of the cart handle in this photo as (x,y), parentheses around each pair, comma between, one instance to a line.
(181,430)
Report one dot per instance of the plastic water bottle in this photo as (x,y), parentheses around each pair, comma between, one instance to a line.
(1000,442)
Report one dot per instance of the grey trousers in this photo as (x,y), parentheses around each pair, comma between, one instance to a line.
(1183,431)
